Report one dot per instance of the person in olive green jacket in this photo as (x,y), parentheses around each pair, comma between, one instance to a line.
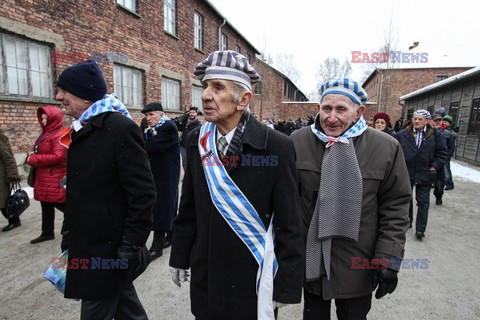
(8,175)
(355,195)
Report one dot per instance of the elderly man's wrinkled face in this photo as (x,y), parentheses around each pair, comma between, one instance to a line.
(337,113)
(74,105)
(218,104)
(419,122)
(153,117)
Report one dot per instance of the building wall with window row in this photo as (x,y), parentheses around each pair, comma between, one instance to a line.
(387,85)
(461,99)
(143,58)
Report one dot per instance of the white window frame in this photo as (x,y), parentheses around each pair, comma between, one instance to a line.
(171,94)
(25,68)
(128,83)
(198,31)
(237,48)
(169,16)
(224,42)
(197,97)
(128,4)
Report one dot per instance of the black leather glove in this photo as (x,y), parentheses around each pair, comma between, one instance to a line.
(14,179)
(131,253)
(386,279)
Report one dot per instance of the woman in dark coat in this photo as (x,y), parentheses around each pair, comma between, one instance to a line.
(381,121)
(163,148)
(49,161)
(8,175)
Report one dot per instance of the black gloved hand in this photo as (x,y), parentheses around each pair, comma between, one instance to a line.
(14,179)
(386,279)
(128,251)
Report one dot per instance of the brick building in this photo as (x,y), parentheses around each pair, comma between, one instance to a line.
(276,96)
(385,86)
(146,49)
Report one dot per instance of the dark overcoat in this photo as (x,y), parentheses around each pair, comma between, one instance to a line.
(384,218)
(8,168)
(164,153)
(223,269)
(110,196)
(433,152)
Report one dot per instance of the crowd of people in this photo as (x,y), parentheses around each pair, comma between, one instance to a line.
(330,189)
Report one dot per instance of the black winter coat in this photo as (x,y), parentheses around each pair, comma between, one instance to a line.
(432,153)
(164,153)
(110,196)
(223,269)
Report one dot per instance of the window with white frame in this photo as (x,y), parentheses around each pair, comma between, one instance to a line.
(128,84)
(169,16)
(24,67)
(129,4)
(237,48)
(198,29)
(170,94)
(223,45)
(197,97)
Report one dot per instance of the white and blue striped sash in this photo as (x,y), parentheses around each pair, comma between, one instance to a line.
(242,217)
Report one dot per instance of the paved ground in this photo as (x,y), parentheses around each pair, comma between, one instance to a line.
(447,289)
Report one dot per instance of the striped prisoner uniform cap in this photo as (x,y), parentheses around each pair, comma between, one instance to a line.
(227,65)
(346,87)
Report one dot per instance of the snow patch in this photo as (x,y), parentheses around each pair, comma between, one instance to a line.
(464,172)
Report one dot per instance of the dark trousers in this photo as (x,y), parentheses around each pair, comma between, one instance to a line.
(11,220)
(183,153)
(440,183)
(315,308)
(123,306)
(422,196)
(48,216)
(448,176)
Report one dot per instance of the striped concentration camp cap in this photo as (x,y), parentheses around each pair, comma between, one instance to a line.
(346,87)
(424,113)
(228,65)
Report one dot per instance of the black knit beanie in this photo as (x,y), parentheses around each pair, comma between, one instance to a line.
(84,80)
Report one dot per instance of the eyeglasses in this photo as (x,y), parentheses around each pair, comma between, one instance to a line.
(437,120)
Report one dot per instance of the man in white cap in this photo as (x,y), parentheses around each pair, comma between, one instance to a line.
(355,193)
(240,185)
(425,153)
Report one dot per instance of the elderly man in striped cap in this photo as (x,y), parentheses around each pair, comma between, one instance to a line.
(239,224)
(355,193)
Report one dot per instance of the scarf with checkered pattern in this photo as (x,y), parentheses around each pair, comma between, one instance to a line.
(339,203)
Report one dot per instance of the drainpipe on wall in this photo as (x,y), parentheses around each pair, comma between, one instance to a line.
(220,34)
(380,90)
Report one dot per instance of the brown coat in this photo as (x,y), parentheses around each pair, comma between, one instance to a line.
(384,219)
(8,168)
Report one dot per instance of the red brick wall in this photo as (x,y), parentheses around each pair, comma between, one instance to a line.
(100,25)
(397,83)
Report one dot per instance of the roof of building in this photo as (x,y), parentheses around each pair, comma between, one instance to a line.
(231,26)
(461,76)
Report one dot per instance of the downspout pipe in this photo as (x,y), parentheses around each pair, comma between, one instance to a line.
(220,34)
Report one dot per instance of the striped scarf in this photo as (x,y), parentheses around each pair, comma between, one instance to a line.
(339,204)
(153,130)
(109,103)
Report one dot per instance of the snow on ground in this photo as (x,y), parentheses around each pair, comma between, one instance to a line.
(460,170)
(29,191)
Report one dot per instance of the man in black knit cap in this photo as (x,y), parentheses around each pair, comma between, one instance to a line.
(110,196)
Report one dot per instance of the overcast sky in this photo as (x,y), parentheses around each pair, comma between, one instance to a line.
(313,30)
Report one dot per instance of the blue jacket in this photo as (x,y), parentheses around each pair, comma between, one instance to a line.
(433,152)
